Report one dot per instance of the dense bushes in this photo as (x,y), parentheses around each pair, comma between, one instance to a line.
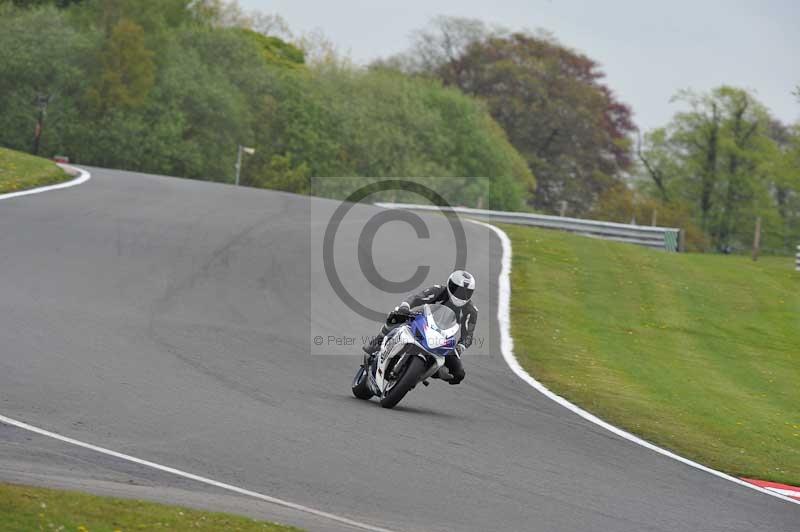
(391,125)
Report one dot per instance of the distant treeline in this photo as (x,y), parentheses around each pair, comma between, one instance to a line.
(174,86)
(720,164)
(725,162)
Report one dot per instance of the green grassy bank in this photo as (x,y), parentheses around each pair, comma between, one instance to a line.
(20,171)
(26,508)
(696,353)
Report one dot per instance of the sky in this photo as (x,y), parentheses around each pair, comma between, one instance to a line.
(648,49)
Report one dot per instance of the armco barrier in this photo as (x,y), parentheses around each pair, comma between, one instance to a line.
(665,238)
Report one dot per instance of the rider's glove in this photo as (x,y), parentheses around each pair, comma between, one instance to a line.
(400,314)
(403,311)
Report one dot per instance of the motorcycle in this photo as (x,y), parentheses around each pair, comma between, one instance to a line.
(410,353)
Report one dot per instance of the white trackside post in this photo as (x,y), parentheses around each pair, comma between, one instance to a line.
(797,260)
(240,150)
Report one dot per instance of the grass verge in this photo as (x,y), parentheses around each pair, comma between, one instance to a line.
(20,171)
(697,353)
(27,508)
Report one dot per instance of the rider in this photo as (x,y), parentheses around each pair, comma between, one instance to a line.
(456,296)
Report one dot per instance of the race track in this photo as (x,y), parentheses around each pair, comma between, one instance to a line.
(172,320)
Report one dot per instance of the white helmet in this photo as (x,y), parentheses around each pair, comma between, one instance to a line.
(460,286)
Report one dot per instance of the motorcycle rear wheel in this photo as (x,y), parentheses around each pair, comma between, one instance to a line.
(405,383)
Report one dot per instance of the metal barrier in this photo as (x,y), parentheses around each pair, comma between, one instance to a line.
(665,238)
(797,260)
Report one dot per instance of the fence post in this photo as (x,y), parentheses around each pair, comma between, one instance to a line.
(757,239)
(797,260)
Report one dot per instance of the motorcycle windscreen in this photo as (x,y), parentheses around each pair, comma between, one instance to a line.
(440,328)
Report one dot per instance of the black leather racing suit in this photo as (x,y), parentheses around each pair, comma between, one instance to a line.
(466,315)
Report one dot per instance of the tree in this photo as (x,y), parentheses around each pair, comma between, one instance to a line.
(657,161)
(320,50)
(782,164)
(550,100)
(128,69)
(340,121)
(275,50)
(172,86)
(445,40)
(282,173)
(229,14)
(158,19)
(40,72)
(726,158)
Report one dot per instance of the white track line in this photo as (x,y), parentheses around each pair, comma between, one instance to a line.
(507,348)
(83,177)
(198,478)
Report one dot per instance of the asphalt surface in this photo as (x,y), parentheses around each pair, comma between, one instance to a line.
(172,320)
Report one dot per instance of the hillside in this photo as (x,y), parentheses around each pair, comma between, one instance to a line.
(697,353)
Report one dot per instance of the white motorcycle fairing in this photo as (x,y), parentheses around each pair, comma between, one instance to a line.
(431,345)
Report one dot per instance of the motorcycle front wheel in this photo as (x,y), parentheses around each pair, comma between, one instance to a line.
(404,383)
(360,388)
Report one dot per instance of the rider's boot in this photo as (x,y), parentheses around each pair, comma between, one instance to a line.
(367,361)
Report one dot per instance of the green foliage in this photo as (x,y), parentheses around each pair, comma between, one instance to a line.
(568,126)
(344,122)
(622,205)
(127,69)
(173,86)
(282,173)
(275,50)
(730,162)
(156,17)
(41,68)
(28,508)
(782,163)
